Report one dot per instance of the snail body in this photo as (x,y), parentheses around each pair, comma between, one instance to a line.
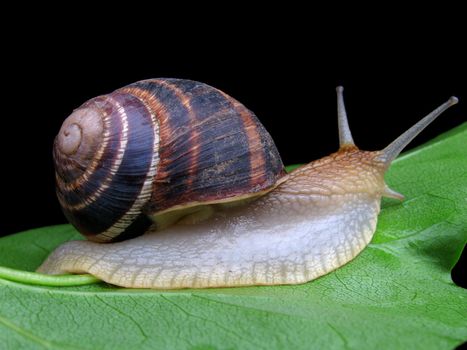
(300,226)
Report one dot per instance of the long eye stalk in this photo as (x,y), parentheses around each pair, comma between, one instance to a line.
(395,147)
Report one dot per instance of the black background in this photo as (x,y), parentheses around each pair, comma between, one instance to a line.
(285,73)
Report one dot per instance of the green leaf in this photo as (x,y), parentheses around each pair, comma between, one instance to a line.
(396,294)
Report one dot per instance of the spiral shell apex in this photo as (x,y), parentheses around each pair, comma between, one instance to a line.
(155,145)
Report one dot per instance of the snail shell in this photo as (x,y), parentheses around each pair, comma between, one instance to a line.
(147,152)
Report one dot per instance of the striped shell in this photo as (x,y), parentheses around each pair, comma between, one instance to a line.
(155,146)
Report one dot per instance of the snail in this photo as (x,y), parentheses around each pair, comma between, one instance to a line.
(188,190)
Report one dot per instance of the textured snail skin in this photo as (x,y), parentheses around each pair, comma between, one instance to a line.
(316,219)
(319,218)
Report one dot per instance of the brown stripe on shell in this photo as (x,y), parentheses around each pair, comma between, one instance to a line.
(222,157)
(194,135)
(257,161)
